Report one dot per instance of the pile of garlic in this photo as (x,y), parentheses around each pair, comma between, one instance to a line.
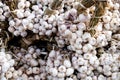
(59,66)
(30,16)
(6,62)
(4,11)
(37,64)
(75,34)
(91,67)
(79,56)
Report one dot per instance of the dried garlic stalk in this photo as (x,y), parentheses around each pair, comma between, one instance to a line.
(49,12)
(84,5)
(99,12)
(56,4)
(12,5)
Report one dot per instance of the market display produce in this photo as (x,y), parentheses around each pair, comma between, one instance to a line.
(59,40)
